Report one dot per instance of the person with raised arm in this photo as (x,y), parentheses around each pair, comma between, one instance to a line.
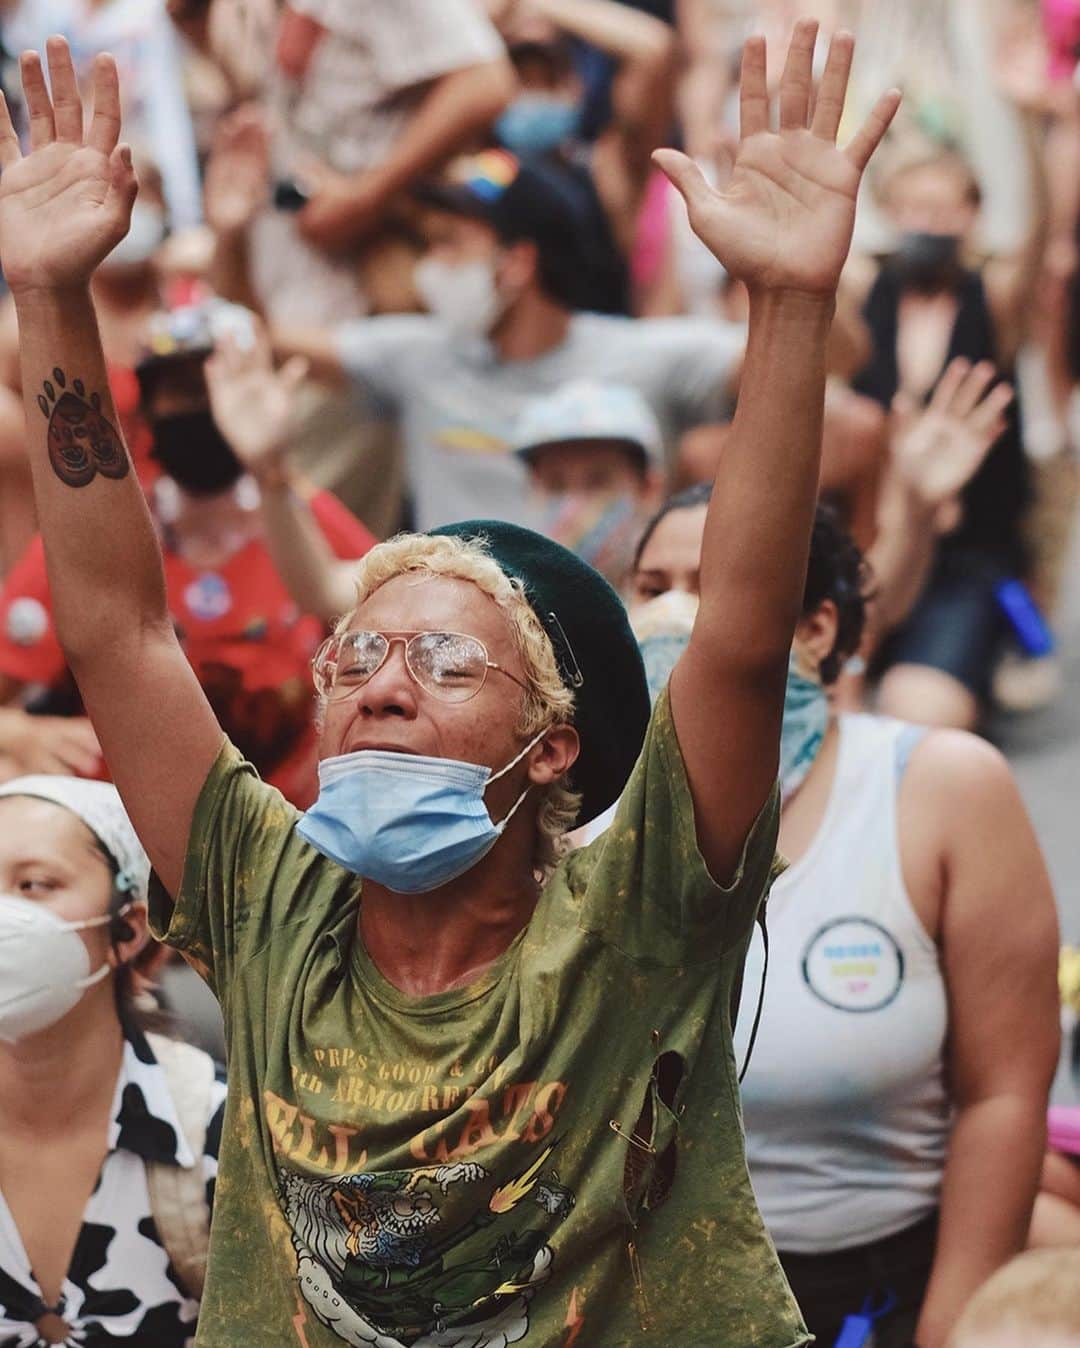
(479,1093)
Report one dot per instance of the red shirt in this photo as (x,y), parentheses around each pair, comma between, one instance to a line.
(247,642)
(124,390)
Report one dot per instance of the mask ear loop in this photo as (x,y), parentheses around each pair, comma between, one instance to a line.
(503,771)
(99,975)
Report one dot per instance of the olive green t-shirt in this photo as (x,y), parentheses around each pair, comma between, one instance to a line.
(551,1156)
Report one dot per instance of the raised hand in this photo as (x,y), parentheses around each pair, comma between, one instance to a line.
(67,204)
(50,744)
(236,184)
(938,449)
(252,402)
(784,217)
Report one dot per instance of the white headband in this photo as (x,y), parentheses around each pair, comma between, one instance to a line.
(98,805)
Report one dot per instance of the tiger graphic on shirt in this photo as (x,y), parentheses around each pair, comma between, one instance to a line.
(378,1266)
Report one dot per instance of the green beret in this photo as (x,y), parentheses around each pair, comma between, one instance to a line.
(598,657)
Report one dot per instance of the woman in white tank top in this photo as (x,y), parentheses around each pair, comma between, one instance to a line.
(895,1103)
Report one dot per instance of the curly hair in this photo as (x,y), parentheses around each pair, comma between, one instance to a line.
(547,700)
(836,570)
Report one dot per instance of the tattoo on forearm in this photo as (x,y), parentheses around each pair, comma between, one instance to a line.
(82,441)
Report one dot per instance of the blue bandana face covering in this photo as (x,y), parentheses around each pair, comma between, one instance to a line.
(407,822)
(663,628)
(536,123)
(806,718)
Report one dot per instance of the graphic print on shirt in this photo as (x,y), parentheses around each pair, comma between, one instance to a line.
(378,1266)
(853,964)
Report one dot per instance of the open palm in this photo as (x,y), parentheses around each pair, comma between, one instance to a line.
(938,449)
(783,218)
(252,402)
(65,205)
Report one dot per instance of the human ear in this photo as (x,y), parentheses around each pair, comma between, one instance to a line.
(815,636)
(519,264)
(652,489)
(554,756)
(125,948)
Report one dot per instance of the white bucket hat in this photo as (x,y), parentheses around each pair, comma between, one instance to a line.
(587,410)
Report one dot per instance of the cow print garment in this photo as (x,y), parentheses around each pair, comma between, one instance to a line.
(121,1287)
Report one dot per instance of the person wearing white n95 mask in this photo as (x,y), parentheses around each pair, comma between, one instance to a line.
(98,1127)
(44,966)
(48,900)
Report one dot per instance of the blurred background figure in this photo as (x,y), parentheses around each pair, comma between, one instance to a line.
(501,276)
(926,308)
(550,43)
(360,99)
(108,1134)
(1032,1302)
(142,38)
(595,459)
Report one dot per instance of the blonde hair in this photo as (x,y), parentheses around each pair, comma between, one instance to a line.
(1035,1294)
(547,700)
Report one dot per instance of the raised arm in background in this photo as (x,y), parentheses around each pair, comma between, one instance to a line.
(235,188)
(236,185)
(934,452)
(782,223)
(1011,277)
(63,207)
(705,37)
(644,50)
(252,405)
(347,207)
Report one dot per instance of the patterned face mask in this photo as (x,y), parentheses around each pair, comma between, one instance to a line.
(806,718)
(663,627)
(601,527)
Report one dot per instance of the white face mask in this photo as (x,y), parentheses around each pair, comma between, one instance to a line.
(145,236)
(44,966)
(463,294)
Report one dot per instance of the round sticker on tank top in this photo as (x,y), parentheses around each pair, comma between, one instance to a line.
(209,597)
(853,964)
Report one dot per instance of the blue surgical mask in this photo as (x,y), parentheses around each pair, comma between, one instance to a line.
(537,123)
(806,718)
(407,822)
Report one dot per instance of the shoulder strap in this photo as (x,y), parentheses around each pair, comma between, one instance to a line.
(908,738)
(178,1194)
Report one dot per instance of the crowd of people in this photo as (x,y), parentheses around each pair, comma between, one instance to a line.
(501,620)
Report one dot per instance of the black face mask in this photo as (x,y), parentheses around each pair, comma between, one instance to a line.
(194,453)
(926,262)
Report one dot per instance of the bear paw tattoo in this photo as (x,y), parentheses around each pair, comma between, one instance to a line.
(82,441)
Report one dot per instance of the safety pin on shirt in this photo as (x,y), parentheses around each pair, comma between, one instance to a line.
(632,1138)
(631,1248)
